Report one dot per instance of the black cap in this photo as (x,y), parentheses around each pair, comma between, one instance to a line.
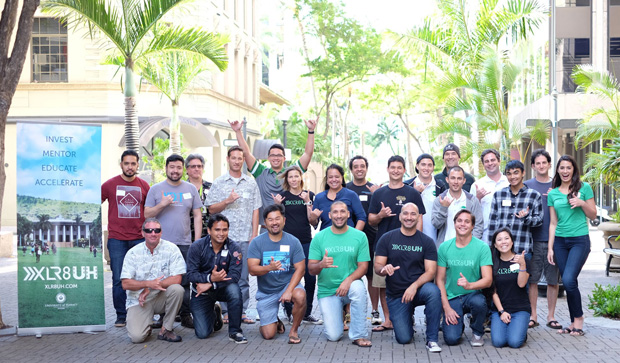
(422,157)
(451,147)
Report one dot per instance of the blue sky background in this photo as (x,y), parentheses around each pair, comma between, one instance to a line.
(86,143)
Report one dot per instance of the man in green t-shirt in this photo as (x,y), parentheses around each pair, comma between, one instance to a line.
(463,268)
(339,256)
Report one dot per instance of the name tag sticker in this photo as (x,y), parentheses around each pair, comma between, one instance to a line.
(224,253)
(187,195)
(363,198)
(246,195)
(514,267)
(120,193)
(506,203)
(285,248)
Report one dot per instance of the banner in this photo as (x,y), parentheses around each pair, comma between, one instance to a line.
(60,269)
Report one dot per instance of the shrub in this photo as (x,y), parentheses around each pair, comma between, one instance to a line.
(605,301)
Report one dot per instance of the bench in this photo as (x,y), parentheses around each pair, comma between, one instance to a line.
(612,252)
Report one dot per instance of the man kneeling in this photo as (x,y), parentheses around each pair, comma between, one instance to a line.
(213,268)
(339,256)
(277,259)
(409,259)
(151,274)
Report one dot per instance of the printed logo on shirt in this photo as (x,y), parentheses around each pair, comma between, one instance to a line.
(467,263)
(406,248)
(400,199)
(506,271)
(177,198)
(340,249)
(128,201)
(283,257)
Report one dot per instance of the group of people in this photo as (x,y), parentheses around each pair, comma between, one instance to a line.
(460,247)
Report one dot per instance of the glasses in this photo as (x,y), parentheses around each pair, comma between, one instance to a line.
(151,230)
(276,155)
(196,166)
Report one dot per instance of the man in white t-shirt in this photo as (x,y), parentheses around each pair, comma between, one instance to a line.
(450,202)
(485,187)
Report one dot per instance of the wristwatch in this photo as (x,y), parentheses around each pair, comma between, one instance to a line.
(308,202)
(501,312)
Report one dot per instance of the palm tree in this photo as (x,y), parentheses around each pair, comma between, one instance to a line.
(128,27)
(385,134)
(43,223)
(172,73)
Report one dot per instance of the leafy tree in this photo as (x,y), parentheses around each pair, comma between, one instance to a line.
(348,51)
(43,224)
(95,231)
(24,228)
(157,161)
(128,27)
(386,133)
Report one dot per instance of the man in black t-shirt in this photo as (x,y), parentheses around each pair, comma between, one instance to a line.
(364,189)
(408,258)
(385,205)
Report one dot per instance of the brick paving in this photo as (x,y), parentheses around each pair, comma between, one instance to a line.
(600,344)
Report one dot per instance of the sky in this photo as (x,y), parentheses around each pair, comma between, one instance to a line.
(85,144)
(397,15)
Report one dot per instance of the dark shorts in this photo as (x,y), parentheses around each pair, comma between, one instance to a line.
(539,264)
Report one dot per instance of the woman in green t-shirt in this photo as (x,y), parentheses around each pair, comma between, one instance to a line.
(571,203)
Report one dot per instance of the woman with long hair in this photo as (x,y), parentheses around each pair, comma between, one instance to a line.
(335,189)
(297,210)
(571,203)
(511,303)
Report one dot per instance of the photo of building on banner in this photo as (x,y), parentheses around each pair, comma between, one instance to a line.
(60,269)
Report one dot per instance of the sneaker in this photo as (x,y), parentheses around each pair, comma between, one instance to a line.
(219,322)
(169,336)
(119,323)
(376,318)
(187,321)
(433,347)
(312,320)
(476,341)
(157,324)
(237,338)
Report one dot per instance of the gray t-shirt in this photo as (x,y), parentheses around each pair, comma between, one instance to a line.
(540,234)
(288,251)
(174,218)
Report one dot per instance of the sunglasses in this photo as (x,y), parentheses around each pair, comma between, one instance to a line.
(151,230)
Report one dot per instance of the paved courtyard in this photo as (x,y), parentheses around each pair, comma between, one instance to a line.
(600,344)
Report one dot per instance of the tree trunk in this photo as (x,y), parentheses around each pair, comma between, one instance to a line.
(307,56)
(2,325)
(132,127)
(175,130)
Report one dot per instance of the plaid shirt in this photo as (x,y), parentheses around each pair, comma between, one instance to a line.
(503,209)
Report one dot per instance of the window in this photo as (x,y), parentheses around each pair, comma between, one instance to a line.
(49,51)
(571,3)
(570,52)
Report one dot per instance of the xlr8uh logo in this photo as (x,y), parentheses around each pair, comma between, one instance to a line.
(61,298)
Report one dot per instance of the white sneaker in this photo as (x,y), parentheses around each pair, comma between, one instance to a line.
(376,318)
(476,341)
(433,347)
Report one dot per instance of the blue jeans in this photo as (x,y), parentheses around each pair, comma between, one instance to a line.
(474,303)
(118,249)
(244,284)
(331,308)
(401,313)
(571,254)
(204,315)
(512,334)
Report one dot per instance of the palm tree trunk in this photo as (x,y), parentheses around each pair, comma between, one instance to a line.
(132,127)
(175,130)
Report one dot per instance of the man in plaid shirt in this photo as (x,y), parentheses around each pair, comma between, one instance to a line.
(516,207)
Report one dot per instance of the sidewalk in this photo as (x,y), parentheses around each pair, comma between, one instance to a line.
(600,344)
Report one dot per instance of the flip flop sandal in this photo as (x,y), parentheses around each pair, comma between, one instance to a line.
(280,328)
(577,332)
(246,320)
(363,343)
(553,324)
(532,324)
(565,331)
(294,340)
(381,328)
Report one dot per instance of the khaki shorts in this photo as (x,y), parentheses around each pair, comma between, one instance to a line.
(378,281)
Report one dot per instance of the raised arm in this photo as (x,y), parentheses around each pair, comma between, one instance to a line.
(247,154)
(306,157)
